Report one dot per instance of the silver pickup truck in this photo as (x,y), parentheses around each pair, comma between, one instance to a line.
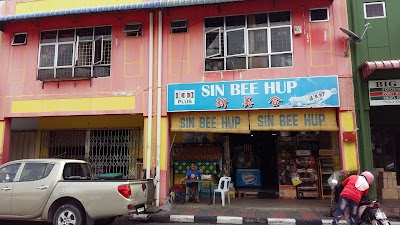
(63,192)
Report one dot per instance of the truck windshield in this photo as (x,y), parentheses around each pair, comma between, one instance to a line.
(77,171)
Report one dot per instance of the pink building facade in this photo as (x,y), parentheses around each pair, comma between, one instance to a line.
(55,75)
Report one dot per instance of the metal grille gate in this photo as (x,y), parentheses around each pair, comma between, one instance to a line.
(108,151)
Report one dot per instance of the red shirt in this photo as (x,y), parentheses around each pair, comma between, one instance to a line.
(350,191)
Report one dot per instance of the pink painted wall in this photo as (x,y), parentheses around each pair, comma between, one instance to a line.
(129,70)
(313,56)
(314,53)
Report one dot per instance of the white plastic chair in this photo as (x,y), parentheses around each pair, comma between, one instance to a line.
(223,187)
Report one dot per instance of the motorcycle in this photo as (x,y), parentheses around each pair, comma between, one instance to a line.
(369,212)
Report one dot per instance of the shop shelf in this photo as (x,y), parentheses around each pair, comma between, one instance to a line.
(307,188)
(326,169)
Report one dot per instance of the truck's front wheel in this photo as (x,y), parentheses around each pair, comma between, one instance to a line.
(68,215)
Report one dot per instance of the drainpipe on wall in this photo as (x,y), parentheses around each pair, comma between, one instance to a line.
(150,101)
(159,73)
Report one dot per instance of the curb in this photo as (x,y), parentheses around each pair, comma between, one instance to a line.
(241,220)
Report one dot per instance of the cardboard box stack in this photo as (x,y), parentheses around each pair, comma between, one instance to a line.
(387,185)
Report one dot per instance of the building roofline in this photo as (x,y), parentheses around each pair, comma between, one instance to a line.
(115,8)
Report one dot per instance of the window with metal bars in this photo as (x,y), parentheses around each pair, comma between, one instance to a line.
(106,150)
(262,40)
(75,53)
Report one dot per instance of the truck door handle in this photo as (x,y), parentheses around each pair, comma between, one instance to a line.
(42,187)
(6,189)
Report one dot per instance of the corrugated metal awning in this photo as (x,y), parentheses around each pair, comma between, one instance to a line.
(367,68)
(114,8)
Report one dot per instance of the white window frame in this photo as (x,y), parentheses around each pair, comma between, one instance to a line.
(219,42)
(247,54)
(94,50)
(268,38)
(374,3)
(179,27)
(244,42)
(317,21)
(17,44)
(75,52)
(140,29)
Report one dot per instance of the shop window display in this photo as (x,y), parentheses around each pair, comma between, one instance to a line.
(292,165)
(326,169)
(206,157)
(308,174)
(303,164)
(286,168)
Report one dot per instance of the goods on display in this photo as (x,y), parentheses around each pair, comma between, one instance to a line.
(204,167)
(286,160)
(287,192)
(248,177)
(300,170)
(308,173)
(307,169)
(196,152)
(206,157)
(326,169)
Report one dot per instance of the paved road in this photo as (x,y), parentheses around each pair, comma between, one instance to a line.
(118,222)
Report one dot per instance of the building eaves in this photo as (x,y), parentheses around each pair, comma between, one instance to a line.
(115,8)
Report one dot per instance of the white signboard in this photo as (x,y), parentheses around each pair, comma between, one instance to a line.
(384,92)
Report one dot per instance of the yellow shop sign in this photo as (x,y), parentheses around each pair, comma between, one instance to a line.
(255,120)
(294,120)
(217,122)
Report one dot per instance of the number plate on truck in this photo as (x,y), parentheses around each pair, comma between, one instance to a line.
(140,208)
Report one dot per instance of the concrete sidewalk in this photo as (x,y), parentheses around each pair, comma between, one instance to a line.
(265,211)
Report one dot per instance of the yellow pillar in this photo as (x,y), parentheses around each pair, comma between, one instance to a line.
(164,153)
(5,131)
(153,144)
(41,151)
(145,127)
(349,149)
(2,128)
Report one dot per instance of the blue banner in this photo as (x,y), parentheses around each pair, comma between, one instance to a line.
(285,93)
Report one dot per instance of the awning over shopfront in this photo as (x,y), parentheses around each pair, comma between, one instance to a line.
(367,68)
(114,8)
(255,120)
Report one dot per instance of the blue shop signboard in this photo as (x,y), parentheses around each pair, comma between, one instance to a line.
(303,92)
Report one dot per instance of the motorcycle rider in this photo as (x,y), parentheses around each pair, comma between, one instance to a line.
(355,187)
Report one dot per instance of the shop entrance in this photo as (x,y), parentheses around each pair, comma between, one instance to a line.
(385,134)
(256,151)
(262,164)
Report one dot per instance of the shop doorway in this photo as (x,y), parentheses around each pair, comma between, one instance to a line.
(385,133)
(397,157)
(262,164)
(256,151)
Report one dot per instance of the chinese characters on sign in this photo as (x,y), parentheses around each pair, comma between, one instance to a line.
(275,101)
(248,102)
(222,103)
